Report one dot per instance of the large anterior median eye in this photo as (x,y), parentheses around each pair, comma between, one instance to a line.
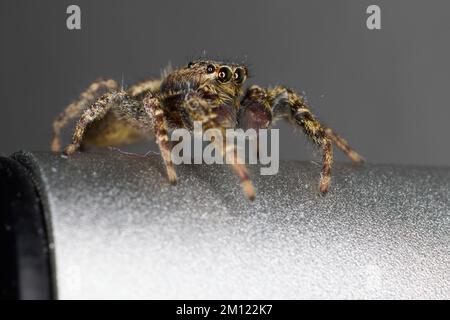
(224,74)
(239,75)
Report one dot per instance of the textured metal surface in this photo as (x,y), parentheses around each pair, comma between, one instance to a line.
(119,230)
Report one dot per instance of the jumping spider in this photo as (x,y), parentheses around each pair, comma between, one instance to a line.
(205,91)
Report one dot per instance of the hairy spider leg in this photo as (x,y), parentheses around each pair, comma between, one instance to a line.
(342,144)
(260,107)
(95,112)
(155,113)
(141,89)
(200,109)
(73,110)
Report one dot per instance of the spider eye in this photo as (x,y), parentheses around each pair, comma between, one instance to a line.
(210,68)
(190,64)
(224,74)
(239,75)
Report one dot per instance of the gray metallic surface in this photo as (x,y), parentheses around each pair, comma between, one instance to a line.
(385,91)
(121,231)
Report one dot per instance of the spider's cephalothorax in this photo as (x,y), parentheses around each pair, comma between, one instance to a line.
(205,91)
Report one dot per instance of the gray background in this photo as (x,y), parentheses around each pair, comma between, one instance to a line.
(385,91)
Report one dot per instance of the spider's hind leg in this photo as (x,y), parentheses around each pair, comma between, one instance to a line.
(95,112)
(88,97)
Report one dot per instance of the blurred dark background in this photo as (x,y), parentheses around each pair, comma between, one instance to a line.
(386,90)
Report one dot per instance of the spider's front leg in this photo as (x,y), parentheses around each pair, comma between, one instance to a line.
(259,106)
(155,112)
(217,114)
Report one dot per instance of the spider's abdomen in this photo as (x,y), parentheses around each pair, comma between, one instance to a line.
(112,132)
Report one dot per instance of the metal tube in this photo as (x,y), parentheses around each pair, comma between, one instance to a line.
(118,229)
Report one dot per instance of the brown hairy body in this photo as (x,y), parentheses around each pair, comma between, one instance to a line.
(206,91)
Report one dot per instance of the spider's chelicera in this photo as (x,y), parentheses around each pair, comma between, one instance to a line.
(209,92)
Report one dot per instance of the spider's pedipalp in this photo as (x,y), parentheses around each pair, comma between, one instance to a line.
(255,111)
(86,99)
